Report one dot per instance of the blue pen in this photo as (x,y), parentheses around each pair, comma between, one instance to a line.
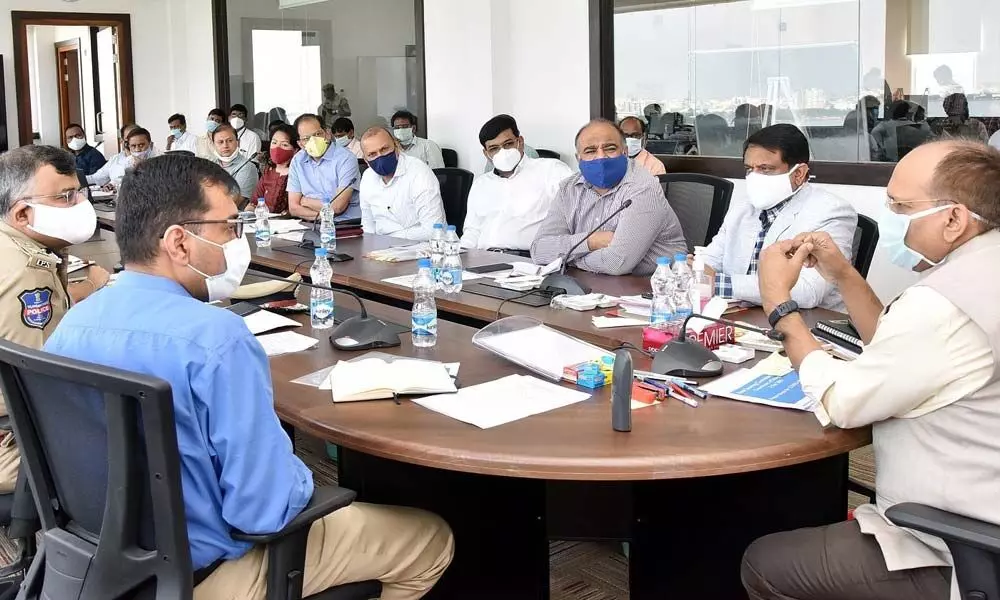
(694,390)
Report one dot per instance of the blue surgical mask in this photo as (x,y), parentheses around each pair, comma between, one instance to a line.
(604,173)
(211,126)
(342,141)
(892,228)
(385,165)
(176,133)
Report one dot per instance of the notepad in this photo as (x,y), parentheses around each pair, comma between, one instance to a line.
(375,379)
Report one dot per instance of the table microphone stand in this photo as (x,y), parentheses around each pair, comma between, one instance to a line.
(683,357)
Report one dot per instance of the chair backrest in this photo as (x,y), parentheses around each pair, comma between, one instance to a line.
(865,240)
(700,202)
(455,187)
(100,449)
(362,166)
(450,158)
(548,154)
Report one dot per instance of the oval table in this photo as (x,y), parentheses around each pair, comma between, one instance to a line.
(688,488)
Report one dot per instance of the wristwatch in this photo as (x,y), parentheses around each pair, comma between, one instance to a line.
(782,311)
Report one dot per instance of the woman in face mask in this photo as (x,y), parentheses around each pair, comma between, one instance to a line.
(229,156)
(275,164)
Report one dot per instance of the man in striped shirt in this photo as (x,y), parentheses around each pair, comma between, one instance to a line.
(631,241)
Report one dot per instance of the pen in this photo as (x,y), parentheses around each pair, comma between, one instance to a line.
(693,390)
(658,377)
(689,401)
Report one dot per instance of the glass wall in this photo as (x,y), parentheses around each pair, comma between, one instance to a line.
(866,80)
(353,58)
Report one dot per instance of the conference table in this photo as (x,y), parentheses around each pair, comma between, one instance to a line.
(688,488)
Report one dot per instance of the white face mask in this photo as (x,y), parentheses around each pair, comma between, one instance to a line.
(72,224)
(225,284)
(404,135)
(77,144)
(226,159)
(634,146)
(767,191)
(507,159)
(237,123)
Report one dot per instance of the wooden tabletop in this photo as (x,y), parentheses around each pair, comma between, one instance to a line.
(577,442)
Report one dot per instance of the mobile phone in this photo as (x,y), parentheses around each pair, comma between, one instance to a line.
(648,295)
(490,268)
(243,308)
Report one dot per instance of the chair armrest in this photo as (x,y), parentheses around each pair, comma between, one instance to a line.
(947,526)
(325,500)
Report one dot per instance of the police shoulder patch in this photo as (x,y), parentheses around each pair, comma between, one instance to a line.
(36,307)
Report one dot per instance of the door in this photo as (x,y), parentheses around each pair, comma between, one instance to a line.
(69,83)
(108,120)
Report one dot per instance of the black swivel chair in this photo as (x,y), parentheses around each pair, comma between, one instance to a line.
(100,449)
(450,158)
(700,202)
(865,240)
(548,154)
(974,546)
(455,187)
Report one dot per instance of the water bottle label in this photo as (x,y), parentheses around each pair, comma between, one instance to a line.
(658,317)
(263,234)
(455,275)
(446,276)
(424,325)
(321,309)
(327,236)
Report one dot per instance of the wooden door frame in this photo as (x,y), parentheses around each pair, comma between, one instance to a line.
(19,23)
(62,48)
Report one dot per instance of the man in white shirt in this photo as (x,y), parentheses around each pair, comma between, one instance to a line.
(343,136)
(507,205)
(400,195)
(248,139)
(928,382)
(179,138)
(111,174)
(404,128)
(780,204)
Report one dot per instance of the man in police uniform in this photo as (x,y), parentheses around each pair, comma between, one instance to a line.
(42,212)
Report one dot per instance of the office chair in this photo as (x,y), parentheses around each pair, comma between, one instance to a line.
(865,240)
(974,546)
(450,158)
(19,517)
(548,154)
(700,202)
(455,187)
(362,166)
(99,447)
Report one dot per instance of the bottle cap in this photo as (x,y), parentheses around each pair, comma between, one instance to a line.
(451,228)
(424,263)
(663,260)
(439,226)
(320,252)
(260,201)
(680,257)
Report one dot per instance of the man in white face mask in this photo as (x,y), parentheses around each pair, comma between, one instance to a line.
(88,159)
(230,157)
(182,243)
(508,204)
(927,382)
(635,141)
(780,203)
(43,213)
(404,128)
(248,139)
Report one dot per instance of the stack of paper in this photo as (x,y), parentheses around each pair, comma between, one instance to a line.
(401,253)
(527,268)
(503,401)
(286,342)
(263,321)
(541,349)
(279,226)
(373,379)
(407,280)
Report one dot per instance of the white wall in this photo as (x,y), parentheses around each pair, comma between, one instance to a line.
(170,38)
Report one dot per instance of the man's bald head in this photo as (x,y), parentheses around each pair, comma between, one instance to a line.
(602,126)
(599,138)
(377,141)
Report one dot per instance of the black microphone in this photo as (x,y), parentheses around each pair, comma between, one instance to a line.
(561,283)
(683,357)
(356,333)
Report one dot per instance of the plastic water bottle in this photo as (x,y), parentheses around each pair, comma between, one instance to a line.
(321,301)
(451,269)
(327,228)
(661,313)
(423,319)
(437,252)
(262,225)
(701,287)
(682,285)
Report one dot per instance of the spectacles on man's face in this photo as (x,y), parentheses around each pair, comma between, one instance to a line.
(235,225)
(67,198)
(306,139)
(492,149)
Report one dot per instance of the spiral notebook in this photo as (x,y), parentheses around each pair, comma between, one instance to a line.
(842,332)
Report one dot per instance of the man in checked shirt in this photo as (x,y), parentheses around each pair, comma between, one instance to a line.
(633,240)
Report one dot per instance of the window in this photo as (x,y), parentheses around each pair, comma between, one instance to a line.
(353,58)
(865,80)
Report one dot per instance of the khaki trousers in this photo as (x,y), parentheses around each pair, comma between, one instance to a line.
(10,459)
(405,548)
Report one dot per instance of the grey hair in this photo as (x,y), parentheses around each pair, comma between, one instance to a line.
(19,166)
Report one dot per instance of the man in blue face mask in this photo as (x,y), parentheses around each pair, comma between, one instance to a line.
(927,382)
(631,241)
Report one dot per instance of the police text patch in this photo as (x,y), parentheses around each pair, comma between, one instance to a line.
(36,307)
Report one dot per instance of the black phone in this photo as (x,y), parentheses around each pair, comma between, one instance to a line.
(490,268)
(648,295)
(243,308)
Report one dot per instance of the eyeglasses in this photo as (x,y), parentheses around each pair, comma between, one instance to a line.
(69,197)
(507,145)
(235,225)
(306,139)
(890,202)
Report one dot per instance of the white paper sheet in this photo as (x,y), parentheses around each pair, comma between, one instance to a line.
(503,400)
(407,280)
(281,226)
(286,342)
(609,322)
(527,268)
(291,236)
(263,321)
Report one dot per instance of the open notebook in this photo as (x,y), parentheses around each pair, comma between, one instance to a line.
(375,379)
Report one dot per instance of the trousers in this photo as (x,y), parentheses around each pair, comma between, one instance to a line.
(836,562)
(407,549)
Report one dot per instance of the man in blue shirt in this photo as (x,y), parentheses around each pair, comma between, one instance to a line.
(182,244)
(88,159)
(325,171)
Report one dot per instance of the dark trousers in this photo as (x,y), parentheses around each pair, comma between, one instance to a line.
(836,562)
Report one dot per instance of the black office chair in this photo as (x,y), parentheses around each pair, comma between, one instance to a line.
(865,240)
(700,202)
(455,187)
(362,166)
(19,517)
(450,158)
(548,154)
(100,449)
(974,546)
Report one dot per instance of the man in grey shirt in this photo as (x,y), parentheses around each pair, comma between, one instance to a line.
(633,240)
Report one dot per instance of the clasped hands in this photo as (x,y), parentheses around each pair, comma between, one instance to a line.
(782,262)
